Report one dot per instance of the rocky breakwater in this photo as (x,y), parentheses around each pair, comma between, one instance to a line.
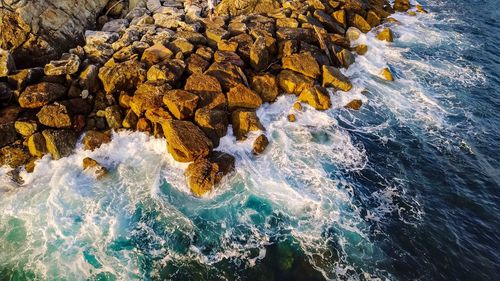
(168,70)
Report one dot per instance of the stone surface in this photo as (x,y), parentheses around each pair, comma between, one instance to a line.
(213,123)
(294,83)
(8,116)
(26,128)
(259,54)
(36,145)
(60,143)
(94,139)
(122,76)
(332,77)
(41,94)
(7,64)
(208,89)
(185,141)
(204,174)
(385,35)
(316,97)
(182,104)
(260,144)
(242,97)
(387,74)
(360,23)
(156,54)
(354,104)
(245,121)
(13,156)
(266,86)
(148,95)
(303,63)
(93,166)
(68,65)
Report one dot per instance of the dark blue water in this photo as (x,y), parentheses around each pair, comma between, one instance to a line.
(407,188)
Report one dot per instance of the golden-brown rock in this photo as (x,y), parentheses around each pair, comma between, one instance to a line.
(185,141)
(182,104)
(332,77)
(303,63)
(316,97)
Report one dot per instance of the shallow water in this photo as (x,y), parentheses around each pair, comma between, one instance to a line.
(406,188)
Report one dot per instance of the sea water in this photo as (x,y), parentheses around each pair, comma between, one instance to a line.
(406,188)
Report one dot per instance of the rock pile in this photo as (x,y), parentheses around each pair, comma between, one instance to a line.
(166,69)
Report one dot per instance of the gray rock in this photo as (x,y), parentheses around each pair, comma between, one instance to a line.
(68,65)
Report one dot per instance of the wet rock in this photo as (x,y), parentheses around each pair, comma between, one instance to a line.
(55,116)
(213,123)
(7,64)
(204,174)
(13,156)
(122,76)
(67,65)
(242,97)
(291,118)
(340,17)
(316,97)
(294,83)
(245,121)
(130,120)
(360,23)
(93,166)
(332,77)
(361,49)
(345,58)
(328,22)
(353,34)
(148,95)
(60,143)
(41,94)
(387,74)
(401,5)
(354,104)
(266,86)
(372,18)
(259,54)
(185,141)
(8,116)
(208,89)
(182,104)
(385,35)
(113,115)
(26,128)
(94,139)
(156,54)
(25,77)
(36,145)
(260,144)
(303,63)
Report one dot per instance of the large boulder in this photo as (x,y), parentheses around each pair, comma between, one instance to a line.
(208,89)
(55,116)
(245,7)
(41,94)
(266,86)
(185,141)
(182,104)
(242,97)
(204,174)
(303,63)
(148,95)
(332,77)
(294,83)
(39,31)
(94,139)
(122,76)
(245,121)
(60,143)
(212,122)
(316,97)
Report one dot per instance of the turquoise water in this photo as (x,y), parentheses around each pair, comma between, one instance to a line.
(404,189)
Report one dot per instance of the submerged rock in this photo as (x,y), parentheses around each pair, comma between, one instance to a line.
(185,141)
(94,139)
(95,167)
(260,144)
(204,174)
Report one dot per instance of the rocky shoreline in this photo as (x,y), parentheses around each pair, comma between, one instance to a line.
(172,69)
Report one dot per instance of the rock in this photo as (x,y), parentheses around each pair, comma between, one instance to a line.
(8,116)
(169,71)
(227,46)
(299,34)
(245,121)
(372,18)
(208,89)
(228,58)
(55,116)
(26,128)
(148,95)
(41,94)
(340,18)
(360,23)
(387,74)
(361,49)
(95,167)
(182,104)
(122,76)
(328,22)
(385,35)
(113,115)
(89,78)
(156,54)
(182,45)
(185,141)
(266,86)
(115,26)
(245,7)
(25,77)
(100,37)
(402,5)
(303,63)
(36,145)
(196,64)
(294,83)
(37,32)
(242,97)
(332,77)
(345,58)
(157,116)
(260,144)
(228,75)
(60,143)
(259,54)
(130,120)
(217,34)
(204,174)
(13,156)
(68,65)
(354,104)
(213,123)
(297,106)
(7,64)
(316,97)
(291,117)
(94,139)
